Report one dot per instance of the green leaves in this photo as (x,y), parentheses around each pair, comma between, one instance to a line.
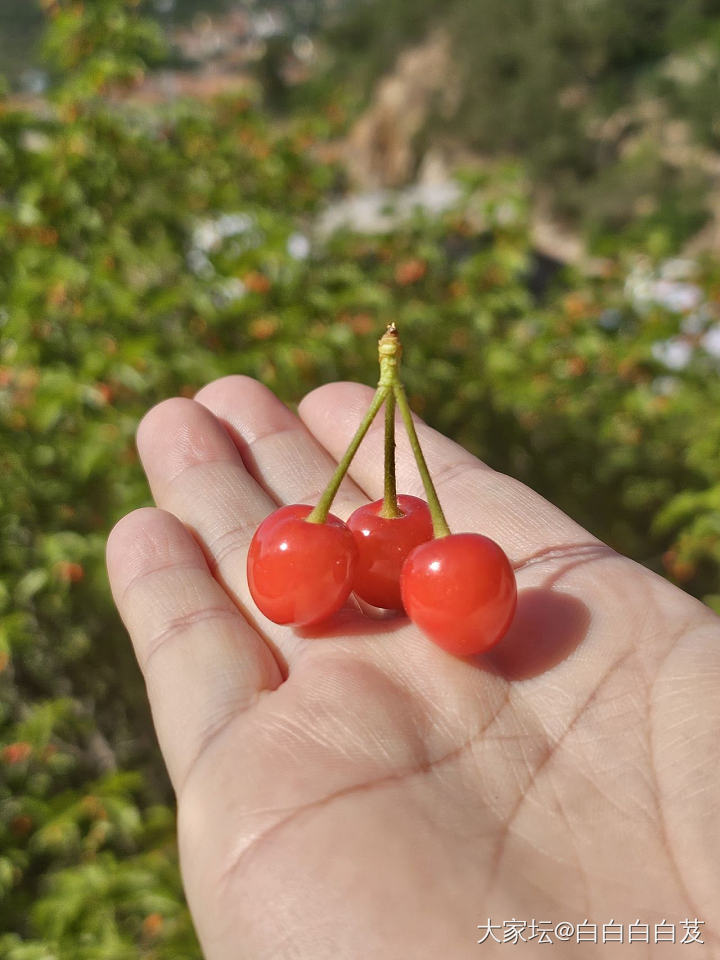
(92,46)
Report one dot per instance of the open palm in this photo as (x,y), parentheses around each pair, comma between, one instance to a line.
(352,791)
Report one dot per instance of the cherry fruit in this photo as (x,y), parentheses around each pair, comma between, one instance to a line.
(383,545)
(303,562)
(460,590)
(300,572)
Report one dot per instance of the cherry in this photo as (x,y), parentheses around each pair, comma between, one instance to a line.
(300,572)
(460,590)
(383,545)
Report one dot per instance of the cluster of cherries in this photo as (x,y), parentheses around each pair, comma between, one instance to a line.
(395,554)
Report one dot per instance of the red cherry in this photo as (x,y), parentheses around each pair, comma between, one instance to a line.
(383,545)
(461,591)
(300,572)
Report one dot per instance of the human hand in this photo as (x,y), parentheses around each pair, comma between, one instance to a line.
(353,791)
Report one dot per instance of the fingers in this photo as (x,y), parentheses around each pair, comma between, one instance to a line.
(179,595)
(203,663)
(196,472)
(473,496)
(276,447)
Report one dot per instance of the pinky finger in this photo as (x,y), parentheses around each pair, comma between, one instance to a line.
(202,661)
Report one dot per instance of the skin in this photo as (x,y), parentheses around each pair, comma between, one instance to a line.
(353,791)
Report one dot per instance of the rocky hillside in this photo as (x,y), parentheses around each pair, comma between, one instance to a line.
(613,113)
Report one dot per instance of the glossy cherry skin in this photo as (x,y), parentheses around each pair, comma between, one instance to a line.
(461,591)
(383,546)
(300,572)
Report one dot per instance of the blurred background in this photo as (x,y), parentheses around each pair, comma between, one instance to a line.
(531,189)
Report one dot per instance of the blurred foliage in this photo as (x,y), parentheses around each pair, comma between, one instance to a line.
(145,251)
(20,24)
(98,43)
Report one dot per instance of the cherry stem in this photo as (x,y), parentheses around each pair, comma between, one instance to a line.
(440,526)
(389,351)
(390,509)
(320,512)
(389,391)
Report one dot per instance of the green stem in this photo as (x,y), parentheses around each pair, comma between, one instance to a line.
(440,527)
(320,512)
(390,509)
